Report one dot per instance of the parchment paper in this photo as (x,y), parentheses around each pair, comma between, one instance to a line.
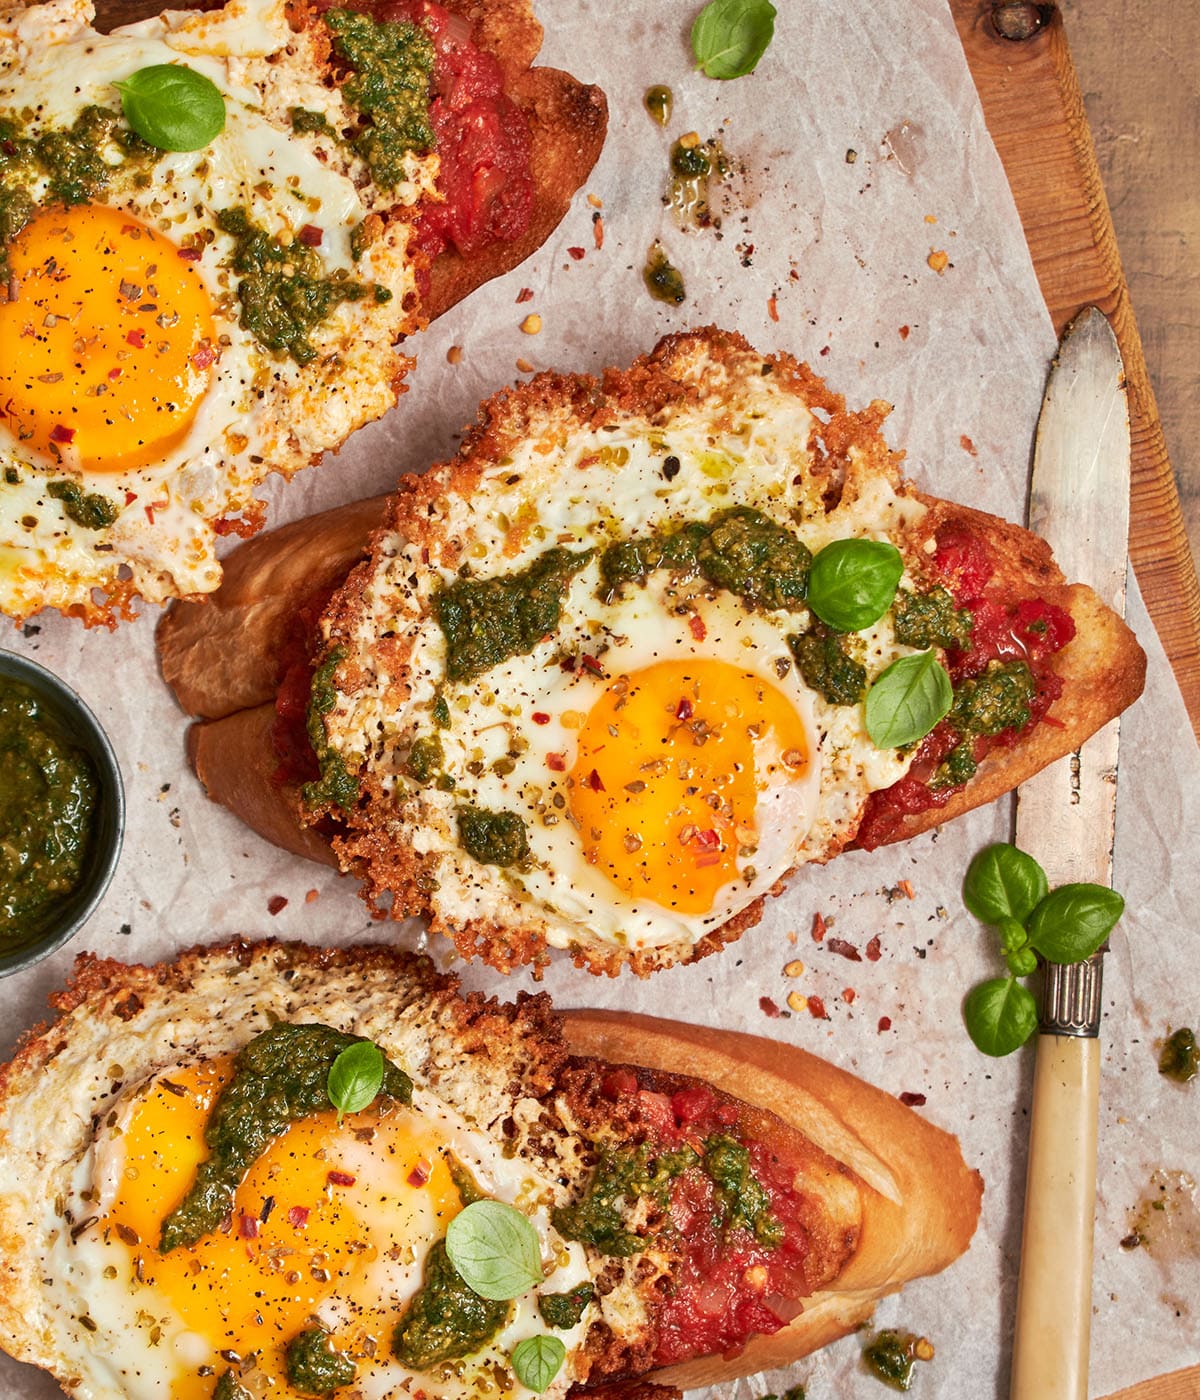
(843,248)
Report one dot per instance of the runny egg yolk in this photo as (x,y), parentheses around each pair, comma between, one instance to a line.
(308,1224)
(669,768)
(106,348)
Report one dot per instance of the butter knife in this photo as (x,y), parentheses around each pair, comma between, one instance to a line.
(1079,502)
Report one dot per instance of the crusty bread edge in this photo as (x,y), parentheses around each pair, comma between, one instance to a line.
(920,1200)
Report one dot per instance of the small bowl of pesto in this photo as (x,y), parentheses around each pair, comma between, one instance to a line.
(62,812)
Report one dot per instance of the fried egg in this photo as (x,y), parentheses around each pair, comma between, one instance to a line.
(331,1226)
(664,756)
(138,409)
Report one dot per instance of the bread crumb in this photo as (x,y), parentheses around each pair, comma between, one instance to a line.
(312,896)
(931,218)
(524,367)
(794,968)
(454,355)
(532,323)
(772,308)
(595,201)
(938,260)
(967,445)
(525,294)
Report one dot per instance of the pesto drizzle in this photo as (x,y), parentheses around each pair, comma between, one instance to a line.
(445,1320)
(86,508)
(336,785)
(280,1076)
(313,1367)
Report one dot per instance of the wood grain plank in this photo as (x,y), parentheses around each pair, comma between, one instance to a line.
(1179,1385)
(1034,111)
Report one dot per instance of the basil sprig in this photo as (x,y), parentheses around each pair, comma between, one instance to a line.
(730,36)
(355,1077)
(907,700)
(851,583)
(537,1360)
(495,1249)
(1007,888)
(172,106)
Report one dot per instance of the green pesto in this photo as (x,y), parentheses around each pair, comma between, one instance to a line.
(280,1076)
(663,279)
(931,620)
(230,1388)
(740,1194)
(659,101)
(392,64)
(891,1358)
(12,476)
(441,713)
(425,759)
(993,701)
(690,162)
(827,668)
(464,1181)
(486,621)
(621,1177)
(336,785)
(1179,1060)
(48,796)
(283,292)
(309,123)
(565,1310)
(956,768)
(740,549)
(794,1392)
(92,511)
(445,1320)
(493,838)
(313,1367)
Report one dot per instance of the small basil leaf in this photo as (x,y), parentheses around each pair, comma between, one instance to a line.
(173,107)
(1000,1015)
(355,1077)
(495,1249)
(851,583)
(1021,962)
(537,1360)
(730,36)
(1073,920)
(1013,938)
(1003,882)
(907,700)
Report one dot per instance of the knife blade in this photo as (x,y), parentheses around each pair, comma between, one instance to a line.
(1065,815)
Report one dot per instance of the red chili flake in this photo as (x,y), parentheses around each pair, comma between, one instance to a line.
(149,513)
(697,628)
(556,762)
(824,350)
(540,717)
(525,294)
(816,1009)
(905,889)
(912,1100)
(967,445)
(298,1216)
(204,355)
(597,230)
(190,254)
(60,433)
(848,996)
(904,332)
(339,1179)
(706,840)
(311,236)
(137,339)
(768,1007)
(684,709)
(130,497)
(843,949)
(595,782)
(577,253)
(772,308)
(873,950)
(420,1173)
(567,663)
(248,1227)
(706,858)
(276,903)
(115,373)
(885,1024)
(591,664)
(818,927)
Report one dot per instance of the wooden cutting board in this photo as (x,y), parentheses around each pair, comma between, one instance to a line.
(1034,110)
(1035,113)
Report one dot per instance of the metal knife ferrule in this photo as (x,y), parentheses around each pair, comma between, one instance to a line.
(1071,998)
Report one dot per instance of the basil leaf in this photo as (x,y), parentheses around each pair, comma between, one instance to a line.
(907,700)
(851,583)
(730,36)
(495,1249)
(355,1077)
(1003,882)
(1000,1015)
(1073,920)
(173,107)
(537,1360)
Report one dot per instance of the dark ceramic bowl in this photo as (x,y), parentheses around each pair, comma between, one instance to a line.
(80,725)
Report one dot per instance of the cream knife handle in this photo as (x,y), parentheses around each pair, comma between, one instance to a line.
(1054,1294)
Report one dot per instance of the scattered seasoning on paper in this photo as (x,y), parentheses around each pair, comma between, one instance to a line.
(794,968)
(848,995)
(816,1009)
(873,950)
(525,294)
(768,1007)
(597,230)
(818,927)
(911,1100)
(796,1001)
(938,260)
(312,896)
(532,324)
(904,332)
(843,949)
(773,308)
(885,1024)
(454,355)
(275,904)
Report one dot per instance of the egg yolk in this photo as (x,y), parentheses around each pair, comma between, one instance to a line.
(308,1224)
(106,348)
(669,768)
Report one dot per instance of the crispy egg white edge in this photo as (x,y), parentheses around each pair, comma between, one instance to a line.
(744,452)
